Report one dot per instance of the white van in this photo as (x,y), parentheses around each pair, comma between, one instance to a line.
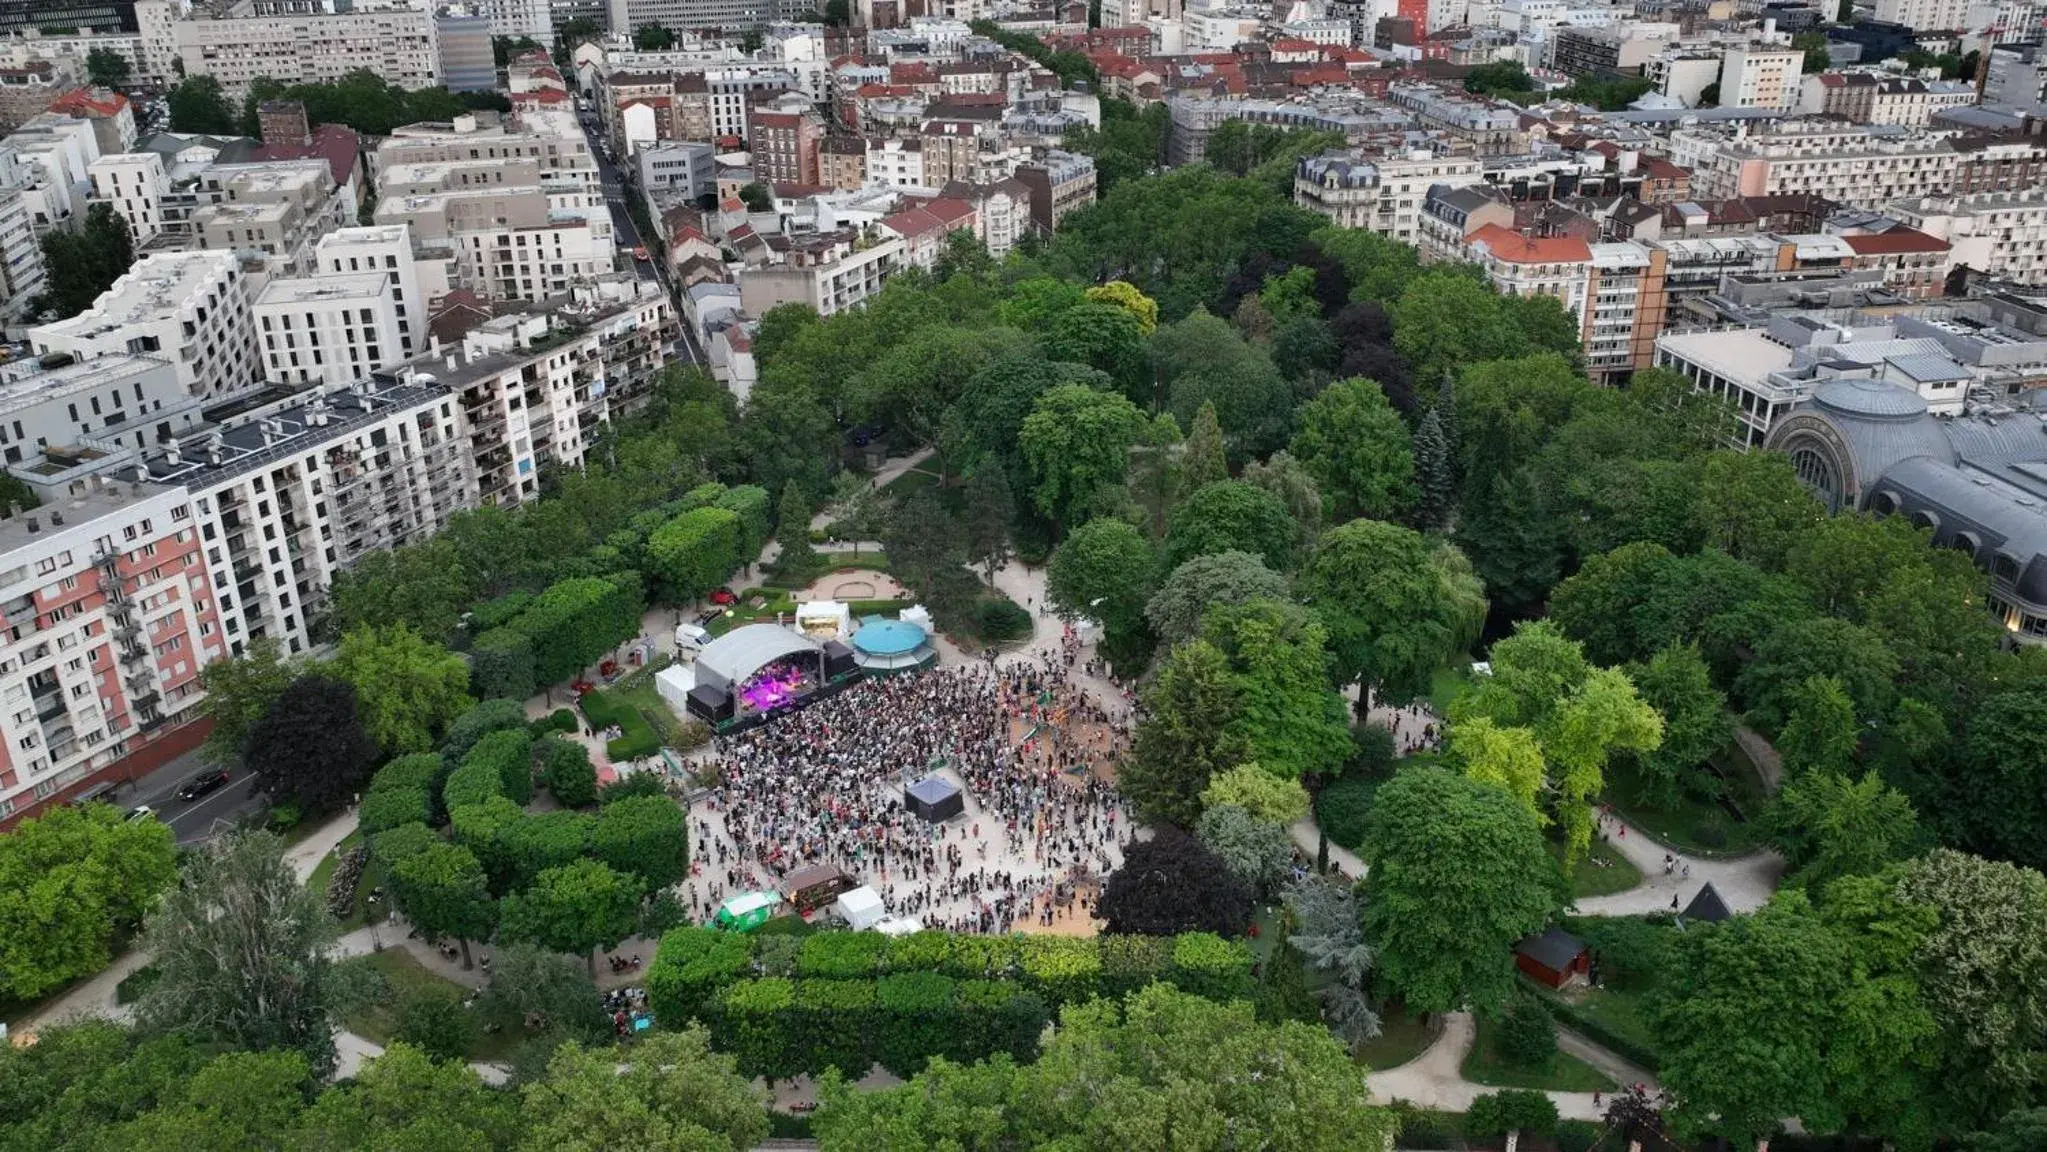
(690,639)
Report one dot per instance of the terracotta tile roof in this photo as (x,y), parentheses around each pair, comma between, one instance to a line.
(89,102)
(1897,241)
(1515,248)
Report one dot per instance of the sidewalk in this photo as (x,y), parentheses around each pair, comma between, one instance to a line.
(95,997)
(1746,883)
(1435,1079)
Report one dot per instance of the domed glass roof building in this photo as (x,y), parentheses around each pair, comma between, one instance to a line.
(1978,482)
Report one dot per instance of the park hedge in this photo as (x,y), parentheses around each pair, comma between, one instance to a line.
(781,1027)
(472,783)
(501,665)
(386,808)
(576,621)
(509,753)
(636,738)
(693,965)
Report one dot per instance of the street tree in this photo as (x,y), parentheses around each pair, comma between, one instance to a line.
(1290,481)
(1204,462)
(309,750)
(1233,515)
(1258,792)
(792,520)
(198,106)
(1162,1070)
(107,68)
(239,690)
(1696,727)
(69,880)
(1742,1019)
(242,950)
(1829,826)
(404,1099)
(1457,874)
(1288,716)
(990,511)
(675,1095)
(1076,442)
(575,908)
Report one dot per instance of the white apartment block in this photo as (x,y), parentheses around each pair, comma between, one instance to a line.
(2002,234)
(387,249)
(134,184)
(825,272)
(332,329)
(116,399)
(554,141)
(512,243)
(1847,165)
(515,18)
(59,153)
(22,274)
(1925,15)
(1760,77)
(192,308)
(896,162)
(1381,194)
(535,396)
(285,41)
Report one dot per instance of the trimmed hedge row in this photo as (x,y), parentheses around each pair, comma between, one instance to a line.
(782,1027)
(694,964)
(636,739)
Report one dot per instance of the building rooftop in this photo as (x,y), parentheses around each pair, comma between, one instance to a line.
(155,286)
(20,390)
(328,286)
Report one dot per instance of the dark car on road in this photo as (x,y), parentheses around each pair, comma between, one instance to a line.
(203,784)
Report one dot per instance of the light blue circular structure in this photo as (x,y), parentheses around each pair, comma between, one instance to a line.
(883,644)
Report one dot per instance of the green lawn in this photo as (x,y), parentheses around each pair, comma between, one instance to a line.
(402,975)
(1695,825)
(1402,1037)
(1621,1011)
(924,475)
(1448,683)
(1566,1073)
(1601,873)
(323,872)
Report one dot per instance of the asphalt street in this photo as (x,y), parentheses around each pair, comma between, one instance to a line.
(625,232)
(196,820)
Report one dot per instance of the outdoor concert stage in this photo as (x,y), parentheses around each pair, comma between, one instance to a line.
(754,673)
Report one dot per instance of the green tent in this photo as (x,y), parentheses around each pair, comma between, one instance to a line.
(747,911)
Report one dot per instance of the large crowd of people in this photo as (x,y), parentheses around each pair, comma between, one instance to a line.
(825,785)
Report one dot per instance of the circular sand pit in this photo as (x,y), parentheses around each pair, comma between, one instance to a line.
(853,590)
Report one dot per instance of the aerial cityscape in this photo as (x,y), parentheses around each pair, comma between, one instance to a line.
(985,575)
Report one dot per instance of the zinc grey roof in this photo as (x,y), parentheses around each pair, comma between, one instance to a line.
(1928,368)
(1859,397)
(1707,906)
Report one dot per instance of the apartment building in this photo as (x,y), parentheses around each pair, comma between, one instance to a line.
(504,243)
(552,140)
(1383,194)
(842,163)
(111,116)
(174,197)
(295,41)
(1760,77)
(687,169)
(1926,15)
(192,308)
(2000,234)
(22,272)
(108,619)
(829,271)
(2016,78)
(134,185)
(1624,312)
(116,399)
(1867,98)
(26,89)
(721,15)
(1059,182)
(896,163)
(535,387)
(388,249)
(784,143)
(1858,166)
(331,329)
(58,151)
